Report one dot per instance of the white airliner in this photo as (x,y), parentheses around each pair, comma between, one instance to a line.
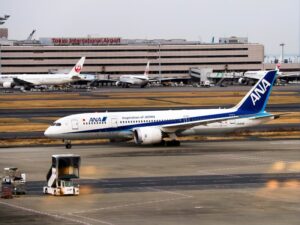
(250,77)
(152,127)
(134,80)
(32,80)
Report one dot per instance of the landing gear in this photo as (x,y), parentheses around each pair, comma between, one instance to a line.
(172,143)
(161,144)
(125,85)
(68,144)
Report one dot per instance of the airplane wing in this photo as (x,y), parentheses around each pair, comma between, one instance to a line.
(187,125)
(170,79)
(96,82)
(21,82)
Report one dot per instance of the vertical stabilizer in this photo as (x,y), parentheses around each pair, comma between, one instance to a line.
(77,68)
(146,73)
(256,99)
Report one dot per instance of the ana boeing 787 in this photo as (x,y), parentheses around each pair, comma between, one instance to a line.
(153,127)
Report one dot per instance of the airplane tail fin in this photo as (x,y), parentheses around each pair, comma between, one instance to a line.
(77,68)
(278,67)
(146,73)
(280,60)
(256,99)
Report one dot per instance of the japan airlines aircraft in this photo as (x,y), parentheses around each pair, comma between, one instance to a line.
(31,80)
(134,80)
(152,127)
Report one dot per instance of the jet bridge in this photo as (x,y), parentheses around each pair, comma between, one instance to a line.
(64,168)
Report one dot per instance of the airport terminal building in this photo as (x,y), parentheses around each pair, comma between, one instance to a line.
(116,56)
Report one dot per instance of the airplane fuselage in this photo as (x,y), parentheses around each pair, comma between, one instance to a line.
(31,80)
(138,80)
(152,127)
(38,79)
(116,125)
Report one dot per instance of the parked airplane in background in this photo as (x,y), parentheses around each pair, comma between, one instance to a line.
(152,127)
(28,81)
(134,80)
(251,77)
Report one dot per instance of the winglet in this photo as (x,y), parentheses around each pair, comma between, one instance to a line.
(147,69)
(78,67)
(256,99)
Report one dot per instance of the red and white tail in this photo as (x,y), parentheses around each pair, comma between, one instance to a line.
(146,73)
(277,67)
(77,68)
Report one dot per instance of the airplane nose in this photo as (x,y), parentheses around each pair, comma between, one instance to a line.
(48,132)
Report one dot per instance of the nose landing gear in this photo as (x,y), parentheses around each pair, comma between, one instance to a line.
(68,144)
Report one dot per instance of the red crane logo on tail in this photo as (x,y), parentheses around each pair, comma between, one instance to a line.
(77,69)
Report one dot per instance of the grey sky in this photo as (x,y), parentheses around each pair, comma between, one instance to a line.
(269,22)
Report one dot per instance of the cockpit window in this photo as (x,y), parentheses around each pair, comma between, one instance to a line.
(56,124)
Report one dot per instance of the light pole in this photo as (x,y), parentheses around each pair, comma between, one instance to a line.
(282,52)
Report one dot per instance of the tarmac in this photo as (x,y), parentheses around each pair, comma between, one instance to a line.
(218,182)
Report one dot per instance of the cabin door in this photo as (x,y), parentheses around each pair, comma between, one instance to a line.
(75,124)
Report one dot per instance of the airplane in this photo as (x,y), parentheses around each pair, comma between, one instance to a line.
(250,77)
(126,81)
(153,127)
(32,80)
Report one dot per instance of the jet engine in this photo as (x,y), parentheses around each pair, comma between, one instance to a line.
(147,135)
(8,84)
(242,80)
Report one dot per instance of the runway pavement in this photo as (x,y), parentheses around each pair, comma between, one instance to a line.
(231,182)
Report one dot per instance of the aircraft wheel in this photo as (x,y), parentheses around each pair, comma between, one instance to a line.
(68,146)
(177,143)
(162,143)
(173,143)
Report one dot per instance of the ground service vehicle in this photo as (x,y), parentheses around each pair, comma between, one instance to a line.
(64,168)
(15,180)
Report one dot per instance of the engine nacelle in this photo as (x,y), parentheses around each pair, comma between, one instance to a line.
(242,80)
(118,83)
(147,135)
(8,84)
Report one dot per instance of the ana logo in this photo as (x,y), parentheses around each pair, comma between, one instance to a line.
(77,69)
(259,90)
(97,119)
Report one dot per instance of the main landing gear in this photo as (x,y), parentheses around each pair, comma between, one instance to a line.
(68,144)
(172,143)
